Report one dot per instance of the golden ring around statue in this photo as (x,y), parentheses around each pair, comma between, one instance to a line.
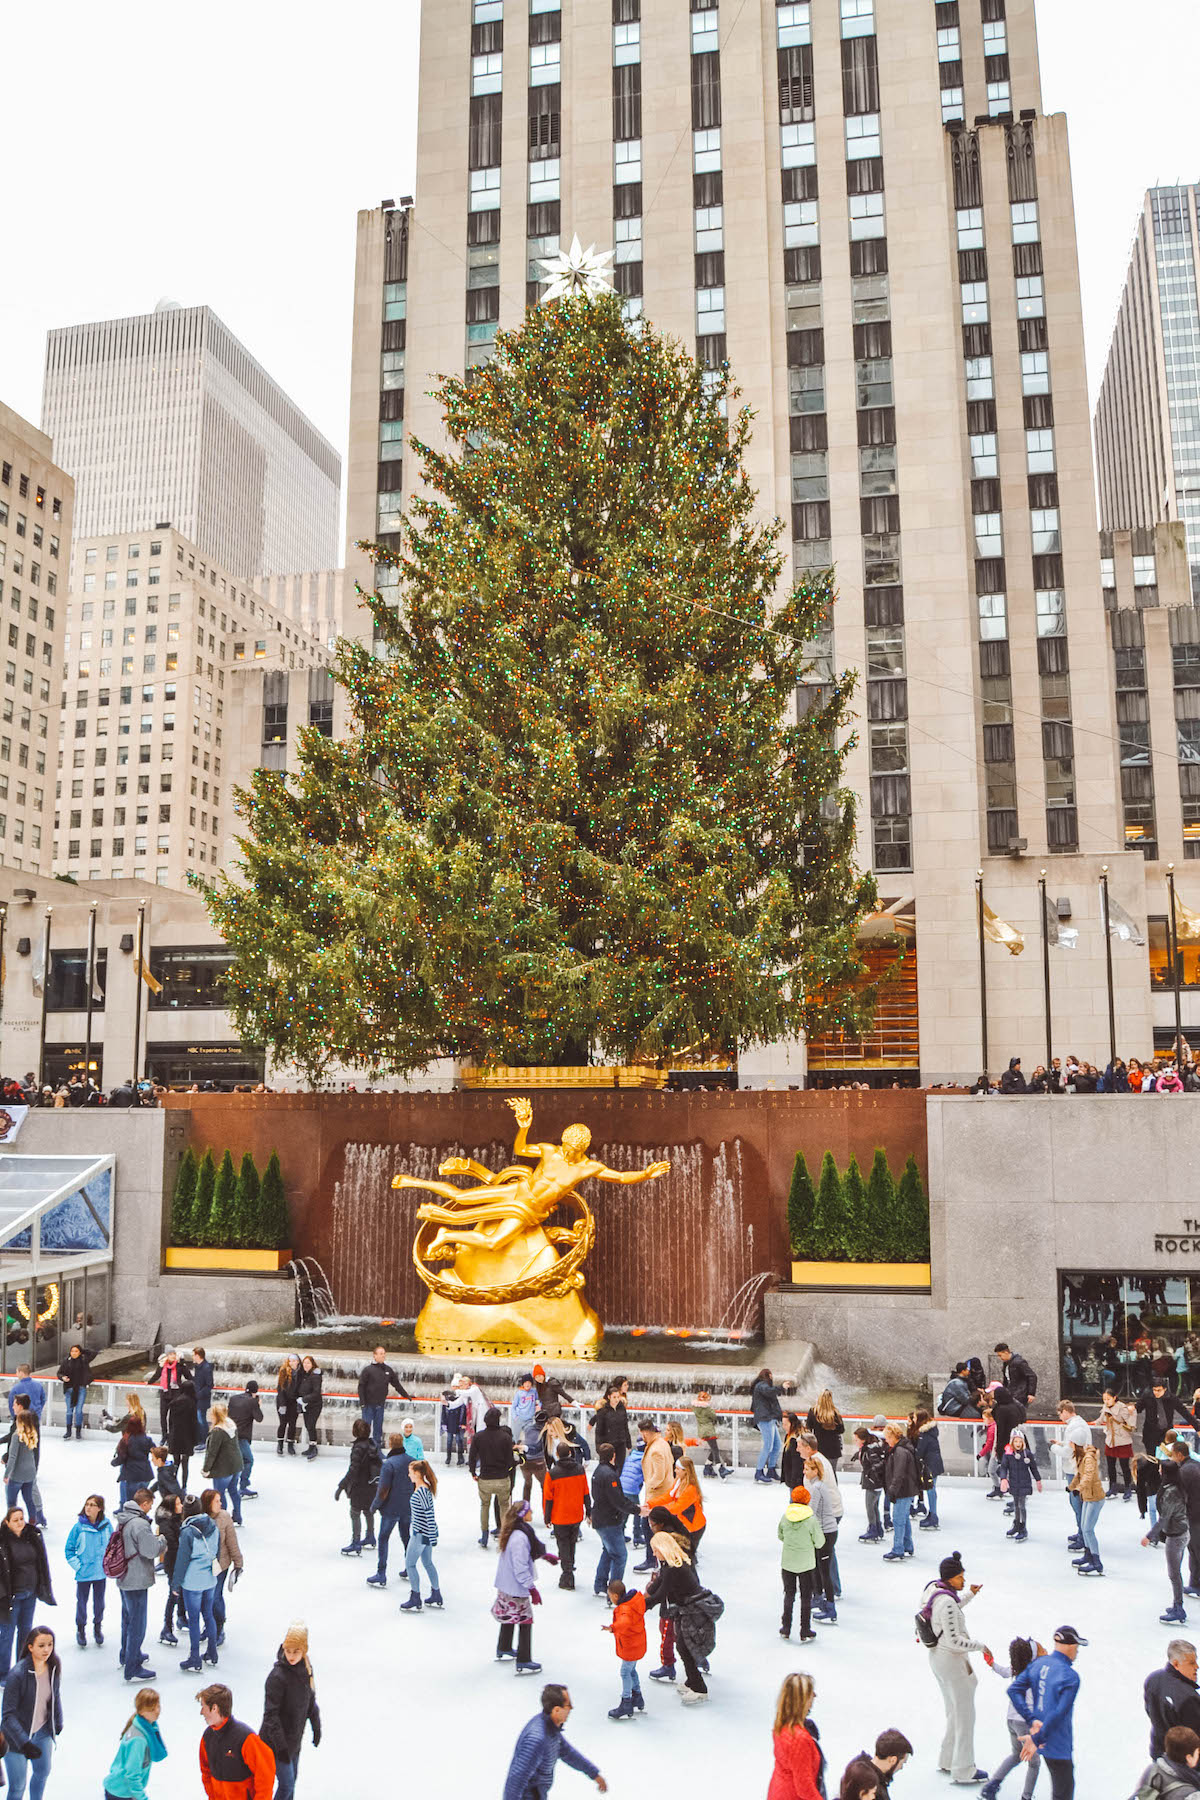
(553,1283)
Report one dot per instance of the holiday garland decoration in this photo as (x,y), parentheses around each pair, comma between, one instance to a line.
(571,817)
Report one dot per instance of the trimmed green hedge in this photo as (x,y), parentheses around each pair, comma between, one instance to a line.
(844,1219)
(212,1207)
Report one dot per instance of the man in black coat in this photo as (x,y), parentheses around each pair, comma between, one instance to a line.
(1158,1408)
(492,1460)
(1012,1081)
(1018,1377)
(1171,1695)
(373,1383)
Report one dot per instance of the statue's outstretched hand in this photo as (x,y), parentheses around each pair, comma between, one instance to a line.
(455,1165)
(522,1112)
(658,1168)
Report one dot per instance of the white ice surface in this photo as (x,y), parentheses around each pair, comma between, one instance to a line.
(417,1700)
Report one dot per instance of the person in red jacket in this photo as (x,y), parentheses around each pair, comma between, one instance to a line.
(628,1626)
(235,1764)
(566,1502)
(798,1758)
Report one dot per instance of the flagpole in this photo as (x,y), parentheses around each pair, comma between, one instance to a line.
(91,977)
(1112,1016)
(983,1016)
(1046,971)
(1173,952)
(137,1008)
(3,932)
(45,996)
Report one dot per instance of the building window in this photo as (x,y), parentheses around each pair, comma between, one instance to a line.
(1051,612)
(627,160)
(488,10)
(190,977)
(862,136)
(628,240)
(999,94)
(545,64)
(995,37)
(710,229)
(710,311)
(797,146)
(1035,372)
(980,385)
(949,44)
(873,382)
(544,180)
(706,151)
(487,73)
(800,225)
(1047,538)
(1145,572)
(858,18)
(627,44)
(395,300)
(952,104)
(974,296)
(1039,452)
(866,216)
(1031,299)
(970,228)
(484,190)
(793,25)
(993,616)
(704,31)
(1025,227)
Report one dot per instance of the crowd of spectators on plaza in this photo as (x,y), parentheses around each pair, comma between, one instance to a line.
(1071,1076)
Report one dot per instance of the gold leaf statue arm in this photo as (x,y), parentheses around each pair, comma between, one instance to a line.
(631,1177)
(523,1112)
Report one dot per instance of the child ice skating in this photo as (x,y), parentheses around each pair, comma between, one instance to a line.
(628,1626)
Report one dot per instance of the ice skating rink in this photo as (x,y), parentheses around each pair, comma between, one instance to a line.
(419,1698)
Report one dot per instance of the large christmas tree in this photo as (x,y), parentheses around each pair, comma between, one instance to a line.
(571,815)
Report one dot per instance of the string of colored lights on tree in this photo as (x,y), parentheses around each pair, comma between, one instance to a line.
(571,811)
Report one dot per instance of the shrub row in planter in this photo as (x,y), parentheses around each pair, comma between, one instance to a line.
(214,1208)
(847,1219)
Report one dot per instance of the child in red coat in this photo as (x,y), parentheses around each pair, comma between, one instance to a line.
(628,1626)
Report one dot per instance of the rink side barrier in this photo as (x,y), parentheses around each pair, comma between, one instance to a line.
(961,1440)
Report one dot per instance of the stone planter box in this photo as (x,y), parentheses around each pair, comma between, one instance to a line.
(234,1262)
(913,1278)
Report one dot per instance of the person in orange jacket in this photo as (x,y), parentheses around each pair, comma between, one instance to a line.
(686,1503)
(235,1764)
(566,1502)
(628,1626)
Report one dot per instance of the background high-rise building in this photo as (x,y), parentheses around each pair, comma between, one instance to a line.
(167,419)
(152,725)
(36,501)
(315,599)
(861,206)
(1148,415)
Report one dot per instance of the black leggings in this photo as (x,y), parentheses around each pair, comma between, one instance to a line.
(1125,1464)
(312,1412)
(695,1679)
(524,1641)
(287,1421)
(824,1576)
(802,1579)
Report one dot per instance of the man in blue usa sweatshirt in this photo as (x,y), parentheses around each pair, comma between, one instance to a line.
(540,1747)
(1044,1695)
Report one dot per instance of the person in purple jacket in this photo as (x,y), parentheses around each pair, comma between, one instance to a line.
(516,1592)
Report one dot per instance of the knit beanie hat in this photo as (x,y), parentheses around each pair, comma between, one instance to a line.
(800,1496)
(950,1566)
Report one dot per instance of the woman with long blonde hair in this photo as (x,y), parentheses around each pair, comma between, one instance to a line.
(674,1585)
(826,1423)
(798,1759)
(686,1502)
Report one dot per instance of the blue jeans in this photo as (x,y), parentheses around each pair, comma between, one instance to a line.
(96,1590)
(1076,1508)
(387,1524)
(218,1595)
(613,1556)
(198,1604)
(127,1489)
(768,1456)
(374,1417)
(630,1685)
(420,1551)
(229,1488)
(285,1780)
(243,1480)
(75,1398)
(1089,1513)
(23,1488)
(14,1628)
(16,1766)
(902,1538)
(931,1499)
(134,1606)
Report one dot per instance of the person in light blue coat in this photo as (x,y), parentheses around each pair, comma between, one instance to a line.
(141,1746)
(524,1405)
(195,1579)
(86,1542)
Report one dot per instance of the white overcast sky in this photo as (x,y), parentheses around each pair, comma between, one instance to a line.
(219,152)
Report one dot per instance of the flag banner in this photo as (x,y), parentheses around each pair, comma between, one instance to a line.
(999,931)
(1059,936)
(38,967)
(1120,925)
(1187,923)
(150,980)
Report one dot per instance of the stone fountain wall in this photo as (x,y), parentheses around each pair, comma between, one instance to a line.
(673,1252)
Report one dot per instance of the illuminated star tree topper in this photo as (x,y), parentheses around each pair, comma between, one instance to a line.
(577,271)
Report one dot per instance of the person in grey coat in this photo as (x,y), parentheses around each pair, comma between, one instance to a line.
(143,1547)
(950,1662)
(1171,1529)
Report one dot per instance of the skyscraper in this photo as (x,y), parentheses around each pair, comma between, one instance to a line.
(1148,414)
(166,419)
(861,206)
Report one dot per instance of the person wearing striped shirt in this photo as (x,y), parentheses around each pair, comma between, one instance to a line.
(423,1535)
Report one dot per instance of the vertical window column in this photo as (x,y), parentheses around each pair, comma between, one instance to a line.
(995,663)
(708,191)
(1185,662)
(544,209)
(949,50)
(483,182)
(1133,730)
(627,155)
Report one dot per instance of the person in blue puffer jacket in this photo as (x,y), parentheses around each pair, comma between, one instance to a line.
(1044,1695)
(195,1579)
(85,1547)
(631,1484)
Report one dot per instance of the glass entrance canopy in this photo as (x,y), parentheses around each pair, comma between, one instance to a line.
(56,1217)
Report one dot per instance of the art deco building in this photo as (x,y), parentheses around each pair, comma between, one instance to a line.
(861,206)
(166,416)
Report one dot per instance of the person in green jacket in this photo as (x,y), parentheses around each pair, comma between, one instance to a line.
(140,1748)
(706,1428)
(801,1537)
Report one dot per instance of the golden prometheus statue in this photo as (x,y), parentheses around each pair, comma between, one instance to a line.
(514,1285)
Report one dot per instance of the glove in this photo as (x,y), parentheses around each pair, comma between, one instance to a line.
(234,1577)
(31,1751)
(550,1557)
(535,1596)
(316,1736)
